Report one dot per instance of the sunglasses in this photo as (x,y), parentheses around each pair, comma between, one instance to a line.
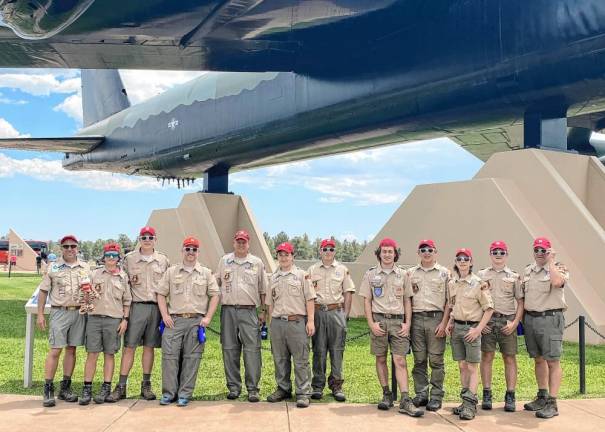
(70,246)
(498,252)
(328,249)
(112,255)
(147,237)
(539,251)
(190,249)
(426,250)
(463,258)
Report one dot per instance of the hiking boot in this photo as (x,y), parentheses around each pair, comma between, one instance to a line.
(469,406)
(279,395)
(509,402)
(49,395)
(233,394)
(550,410)
(420,400)
(66,393)
(387,400)
(486,403)
(302,402)
(456,410)
(337,392)
(433,405)
(118,393)
(538,403)
(406,406)
(316,394)
(103,395)
(146,392)
(86,394)
(253,396)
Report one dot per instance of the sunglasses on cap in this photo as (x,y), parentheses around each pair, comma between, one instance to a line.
(190,249)
(147,237)
(539,250)
(463,258)
(112,255)
(426,250)
(498,252)
(69,246)
(328,249)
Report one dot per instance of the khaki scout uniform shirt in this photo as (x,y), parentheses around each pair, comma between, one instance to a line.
(429,286)
(144,275)
(242,280)
(62,282)
(505,288)
(386,288)
(188,292)
(331,282)
(540,296)
(469,297)
(114,291)
(289,292)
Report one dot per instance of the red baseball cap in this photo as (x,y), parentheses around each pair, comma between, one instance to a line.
(427,242)
(68,237)
(147,230)
(111,247)
(498,244)
(242,235)
(191,241)
(464,251)
(328,242)
(542,242)
(386,242)
(286,247)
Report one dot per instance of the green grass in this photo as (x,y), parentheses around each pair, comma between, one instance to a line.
(361,384)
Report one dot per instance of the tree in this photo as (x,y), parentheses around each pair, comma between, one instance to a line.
(280,238)
(125,242)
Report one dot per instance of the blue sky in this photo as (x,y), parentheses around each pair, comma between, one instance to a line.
(348,196)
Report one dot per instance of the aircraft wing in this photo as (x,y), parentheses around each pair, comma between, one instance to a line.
(485,142)
(83,144)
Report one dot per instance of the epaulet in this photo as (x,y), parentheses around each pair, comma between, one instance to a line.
(561,267)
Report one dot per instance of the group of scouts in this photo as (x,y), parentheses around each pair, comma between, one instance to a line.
(152,304)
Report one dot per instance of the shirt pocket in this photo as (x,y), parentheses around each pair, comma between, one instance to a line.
(508,286)
(437,285)
(199,285)
(250,277)
(398,288)
(294,288)
(178,284)
(117,290)
(336,284)
(157,273)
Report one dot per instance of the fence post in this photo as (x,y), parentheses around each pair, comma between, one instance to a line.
(393,379)
(582,350)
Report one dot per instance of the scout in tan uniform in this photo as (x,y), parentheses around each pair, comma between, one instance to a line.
(430,314)
(192,295)
(388,309)
(472,307)
(243,281)
(292,311)
(67,326)
(544,322)
(505,289)
(145,268)
(334,289)
(107,322)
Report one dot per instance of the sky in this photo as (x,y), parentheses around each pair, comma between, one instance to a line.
(348,196)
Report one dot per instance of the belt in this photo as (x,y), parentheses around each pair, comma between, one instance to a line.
(328,307)
(241,306)
(427,313)
(551,312)
(187,315)
(145,302)
(71,308)
(389,316)
(289,317)
(499,315)
(466,322)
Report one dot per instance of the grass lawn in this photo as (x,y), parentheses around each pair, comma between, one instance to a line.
(361,384)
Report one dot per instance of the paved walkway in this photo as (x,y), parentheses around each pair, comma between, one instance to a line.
(25,413)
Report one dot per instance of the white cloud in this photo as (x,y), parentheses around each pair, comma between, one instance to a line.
(143,84)
(7,130)
(72,106)
(39,84)
(9,101)
(46,170)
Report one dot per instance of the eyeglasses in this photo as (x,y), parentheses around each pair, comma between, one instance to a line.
(426,250)
(539,250)
(112,255)
(498,252)
(69,246)
(147,237)
(328,249)
(190,249)
(463,258)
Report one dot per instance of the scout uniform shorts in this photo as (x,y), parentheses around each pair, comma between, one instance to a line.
(463,350)
(379,345)
(102,334)
(544,335)
(507,343)
(143,326)
(66,328)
